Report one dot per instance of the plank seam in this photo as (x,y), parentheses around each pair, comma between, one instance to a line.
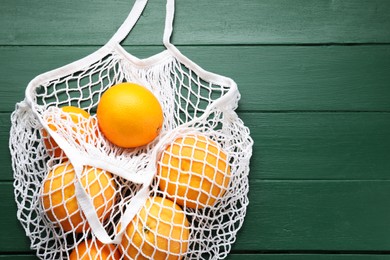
(326,44)
(310,252)
(258,180)
(287,111)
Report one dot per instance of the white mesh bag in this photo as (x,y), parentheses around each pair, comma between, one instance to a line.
(183,195)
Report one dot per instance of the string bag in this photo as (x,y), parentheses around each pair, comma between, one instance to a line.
(77,194)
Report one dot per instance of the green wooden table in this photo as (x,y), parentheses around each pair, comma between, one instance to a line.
(315,83)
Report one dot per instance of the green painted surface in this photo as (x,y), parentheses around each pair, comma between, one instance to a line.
(316,215)
(320,146)
(206,22)
(285,215)
(315,83)
(299,146)
(13,238)
(18,257)
(306,257)
(269,77)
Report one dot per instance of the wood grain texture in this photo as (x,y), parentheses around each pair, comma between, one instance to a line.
(6,173)
(299,146)
(314,80)
(89,22)
(269,78)
(19,257)
(306,257)
(316,215)
(13,238)
(315,146)
(283,215)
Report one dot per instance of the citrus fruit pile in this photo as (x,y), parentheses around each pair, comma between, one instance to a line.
(192,172)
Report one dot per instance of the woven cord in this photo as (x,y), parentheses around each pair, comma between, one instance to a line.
(139,199)
(84,198)
(170,13)
(134,16)
(198,107)
(129,23)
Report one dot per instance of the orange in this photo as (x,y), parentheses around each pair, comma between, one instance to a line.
(159,231)
(59,199)
(129,115)
(89,250)
(194,170)
(51,145)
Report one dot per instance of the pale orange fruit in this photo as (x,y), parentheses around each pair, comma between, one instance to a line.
(59,199)
(159,231)
(194,171)
(129,115)
(76,114)
(94,250)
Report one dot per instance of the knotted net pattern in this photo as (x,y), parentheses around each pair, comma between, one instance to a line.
(192,106)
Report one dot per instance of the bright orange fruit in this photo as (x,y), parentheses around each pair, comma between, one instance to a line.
(159,231)
(194,171)
(129,115)
(89,250)
(59,199)
(76,114)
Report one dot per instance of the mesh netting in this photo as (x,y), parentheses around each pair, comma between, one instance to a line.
(183,195)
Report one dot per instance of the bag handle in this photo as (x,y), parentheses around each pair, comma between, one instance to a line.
(134,16)
(170,15)
(84,199)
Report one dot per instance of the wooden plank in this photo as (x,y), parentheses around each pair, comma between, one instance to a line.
(19,257)
(5,165)
(217,22)
(316,215)
(270,78)
(307,257)
(332,146)
(260,256)
(324,256)
(283,215)
(13,238)
(337,146)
